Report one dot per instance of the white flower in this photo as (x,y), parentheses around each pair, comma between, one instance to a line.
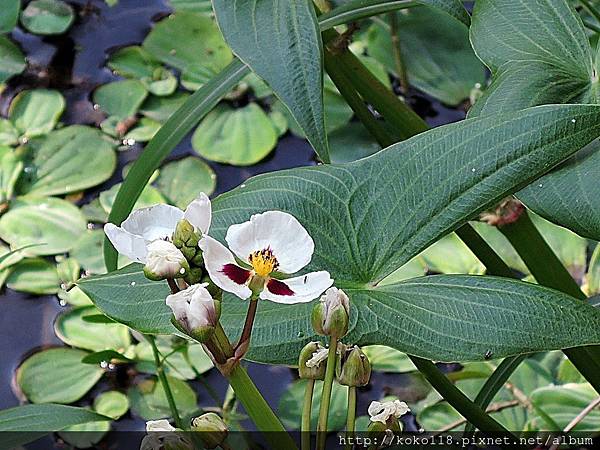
(194,307)
(164,260)
(269,243)
(317,357)
(159,425)
(382,412)
(156,223)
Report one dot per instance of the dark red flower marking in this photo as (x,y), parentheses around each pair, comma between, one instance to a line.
(278,287)
(236,273)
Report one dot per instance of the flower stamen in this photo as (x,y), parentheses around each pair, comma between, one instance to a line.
(263,262)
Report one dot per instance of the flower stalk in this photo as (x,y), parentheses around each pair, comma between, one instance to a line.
(242,346)
(164,382)
(351,416)
(246,392)
(306,414)
(326,393)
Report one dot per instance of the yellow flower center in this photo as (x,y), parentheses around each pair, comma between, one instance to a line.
(263,262)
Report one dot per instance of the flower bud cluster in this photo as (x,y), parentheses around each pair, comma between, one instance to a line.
(186,239)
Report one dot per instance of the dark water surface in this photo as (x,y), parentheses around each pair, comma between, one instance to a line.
(74,64)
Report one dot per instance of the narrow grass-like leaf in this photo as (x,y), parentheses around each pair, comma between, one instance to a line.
(171,133)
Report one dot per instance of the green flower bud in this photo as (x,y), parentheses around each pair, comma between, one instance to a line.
(213,430)
(311,363)
(185,236)
(193,276)
(330,315)
(355,368)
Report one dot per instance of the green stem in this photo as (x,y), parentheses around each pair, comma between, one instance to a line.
(489,258)
(306,414)
(164,382)
(373,126)
(326,394)
(258,409)
(458,400)
(539,257)
(493,385)
(405,121)
(591,26)
(591,9)
(250,397)
(354,10)
(547,269)
(397,52)
(351,417)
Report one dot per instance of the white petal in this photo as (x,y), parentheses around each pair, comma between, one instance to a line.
(159,425)
(216,257)
(305,288)
(199,213)
(291,244)
(374,408)
(126,243)
(317,357)
(381,412)
(155,222)
(193,307)
(401,408)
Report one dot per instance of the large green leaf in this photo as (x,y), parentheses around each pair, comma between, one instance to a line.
(27,423)
(438,55)
(141,304)
(370,217)
(539,53)
(280,41)
(71,159)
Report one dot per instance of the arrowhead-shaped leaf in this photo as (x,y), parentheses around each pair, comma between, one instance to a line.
(539,53)
(281,42)
(369,217)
